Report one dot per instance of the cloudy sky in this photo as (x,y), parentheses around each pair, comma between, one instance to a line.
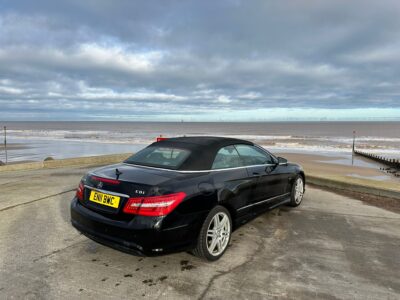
(200,60)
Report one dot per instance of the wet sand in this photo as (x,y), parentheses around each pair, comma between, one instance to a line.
(14,147)
(10,151)
(338,165)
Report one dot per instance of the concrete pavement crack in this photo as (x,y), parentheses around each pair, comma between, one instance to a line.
(220,274)
(57,251)
(32,201)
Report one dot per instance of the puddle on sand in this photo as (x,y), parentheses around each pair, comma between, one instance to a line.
(349,161)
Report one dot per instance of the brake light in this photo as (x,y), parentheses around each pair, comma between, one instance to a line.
(154,206)
(160,138)
(106,180)
(79,191)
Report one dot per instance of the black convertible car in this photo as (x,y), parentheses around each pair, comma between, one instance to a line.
(185,193)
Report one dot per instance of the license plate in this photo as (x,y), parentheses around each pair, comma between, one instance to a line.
(104,199)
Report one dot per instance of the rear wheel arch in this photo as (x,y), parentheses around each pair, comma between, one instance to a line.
(303,175)
(223,200)
(230,209)
(202,249)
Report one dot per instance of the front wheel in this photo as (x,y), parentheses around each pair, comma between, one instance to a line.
(297,191)
(215,234)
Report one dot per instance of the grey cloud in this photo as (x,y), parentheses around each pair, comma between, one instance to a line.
(144,57)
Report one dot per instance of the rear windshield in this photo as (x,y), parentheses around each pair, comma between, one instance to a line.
(162,157)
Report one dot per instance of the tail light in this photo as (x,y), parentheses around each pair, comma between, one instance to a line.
(160,138)
(79,191)
(154,206)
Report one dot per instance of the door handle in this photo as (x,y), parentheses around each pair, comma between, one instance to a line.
(256,174)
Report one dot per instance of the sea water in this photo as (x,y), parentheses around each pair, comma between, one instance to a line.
(39,140)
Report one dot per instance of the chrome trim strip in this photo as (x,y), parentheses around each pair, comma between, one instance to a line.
(198,171)
(106,192)
(262,201)
(287,200)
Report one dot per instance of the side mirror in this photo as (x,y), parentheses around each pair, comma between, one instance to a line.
(282,161)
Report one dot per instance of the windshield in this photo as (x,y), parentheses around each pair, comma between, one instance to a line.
(163,157)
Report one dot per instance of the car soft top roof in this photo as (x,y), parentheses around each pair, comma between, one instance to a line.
(203,149)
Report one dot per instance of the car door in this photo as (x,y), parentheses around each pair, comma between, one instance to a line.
(263,169)
(231,179)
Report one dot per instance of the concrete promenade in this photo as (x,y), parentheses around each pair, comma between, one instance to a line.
(331,247)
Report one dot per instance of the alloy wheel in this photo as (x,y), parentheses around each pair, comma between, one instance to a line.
(299,190)
(218,233)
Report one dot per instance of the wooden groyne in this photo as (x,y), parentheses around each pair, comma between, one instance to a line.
(392,165)
(390,162)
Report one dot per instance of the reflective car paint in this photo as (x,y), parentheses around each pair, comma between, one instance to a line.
(245,191)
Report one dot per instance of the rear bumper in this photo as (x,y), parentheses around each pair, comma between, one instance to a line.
(142,236)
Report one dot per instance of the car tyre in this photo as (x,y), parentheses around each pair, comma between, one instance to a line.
(297,193)
(215,234)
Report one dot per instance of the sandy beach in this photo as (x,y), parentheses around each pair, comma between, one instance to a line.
(336,165)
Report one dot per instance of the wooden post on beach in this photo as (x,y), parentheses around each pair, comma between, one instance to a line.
(5,142)
(354,149)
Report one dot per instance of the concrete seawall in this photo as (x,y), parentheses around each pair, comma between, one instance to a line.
(364,186)
(67,162)
(345,183)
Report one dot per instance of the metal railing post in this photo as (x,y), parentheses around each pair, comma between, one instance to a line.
(5,142)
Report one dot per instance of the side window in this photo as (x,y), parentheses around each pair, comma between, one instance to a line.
(251,155)
(227,157)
